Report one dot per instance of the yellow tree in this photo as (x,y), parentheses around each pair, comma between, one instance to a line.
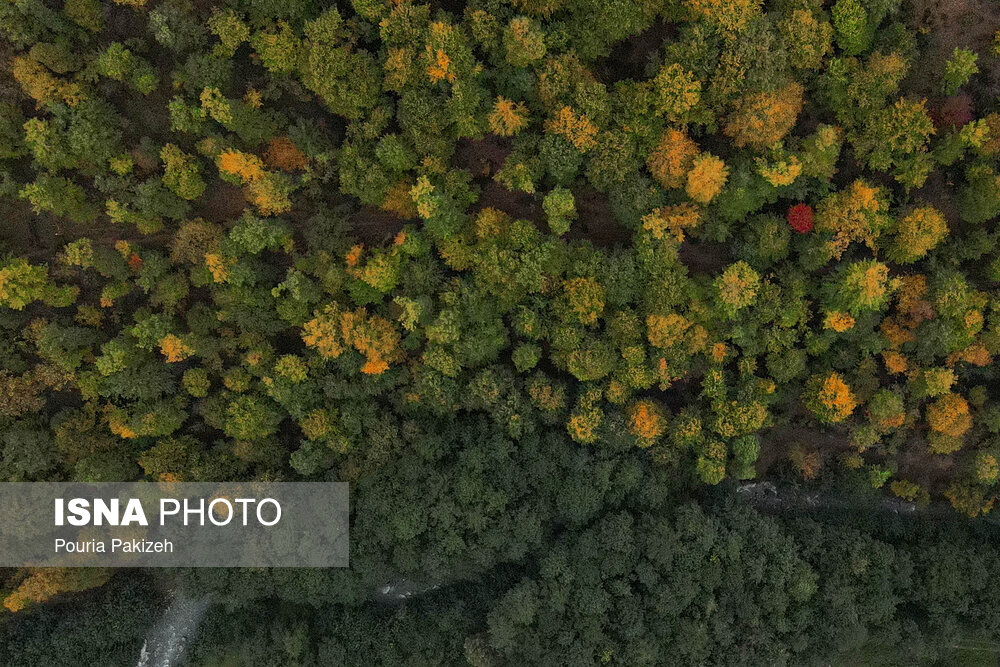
(42,85)
(508,117)
(672,220)
(806,37)
(917,233)
(706,179)
(583,300)
(737,287)
(267,190)
(576,128)
(732,16)
(949,415)
(646,421)
(856,213)
(332,331)
(42,584)
(672,159)
(762,119)
(675,92)
(829,398)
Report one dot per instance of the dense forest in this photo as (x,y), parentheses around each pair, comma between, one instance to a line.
(545,281)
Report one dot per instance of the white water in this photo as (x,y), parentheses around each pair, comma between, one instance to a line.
(403,589)
(168,638)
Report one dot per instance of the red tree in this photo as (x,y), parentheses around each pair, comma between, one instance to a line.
(800,218)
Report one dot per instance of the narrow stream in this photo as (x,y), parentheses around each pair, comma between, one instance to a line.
(167,640)
(766,496)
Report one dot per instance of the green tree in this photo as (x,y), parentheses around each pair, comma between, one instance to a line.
(345,79)
(959,69)
(59,196)
(181,173)
(560,210)
(119,63)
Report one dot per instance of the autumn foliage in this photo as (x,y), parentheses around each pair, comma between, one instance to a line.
(706,178)
(762,119)
(646,421)
(332,331)
(800,218)
(508,117)
(949,415)
(672,159)
(528,275)
(283,154)
(575,127)
(829,398)
(267,190)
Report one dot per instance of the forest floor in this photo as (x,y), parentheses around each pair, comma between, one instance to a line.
(950,24)
(945,25)
(485,157)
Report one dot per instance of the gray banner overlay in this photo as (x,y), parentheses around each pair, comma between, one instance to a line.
(174,524)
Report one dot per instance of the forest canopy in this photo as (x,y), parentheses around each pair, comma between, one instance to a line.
(534,277)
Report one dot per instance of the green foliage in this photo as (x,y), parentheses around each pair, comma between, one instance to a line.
(736,288)
(231,30)
(896,138)
(181,173)
(85,13)
(560,209)
(47,146)
(853,27)
(959,69)
(978,199)
(765,241)
(70,632)
(346,80)
(59,196)
(22,283)
(675,93)
(175,25)
(524,41)
(250,418)
(278,50)
(860,286)
(119,63)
